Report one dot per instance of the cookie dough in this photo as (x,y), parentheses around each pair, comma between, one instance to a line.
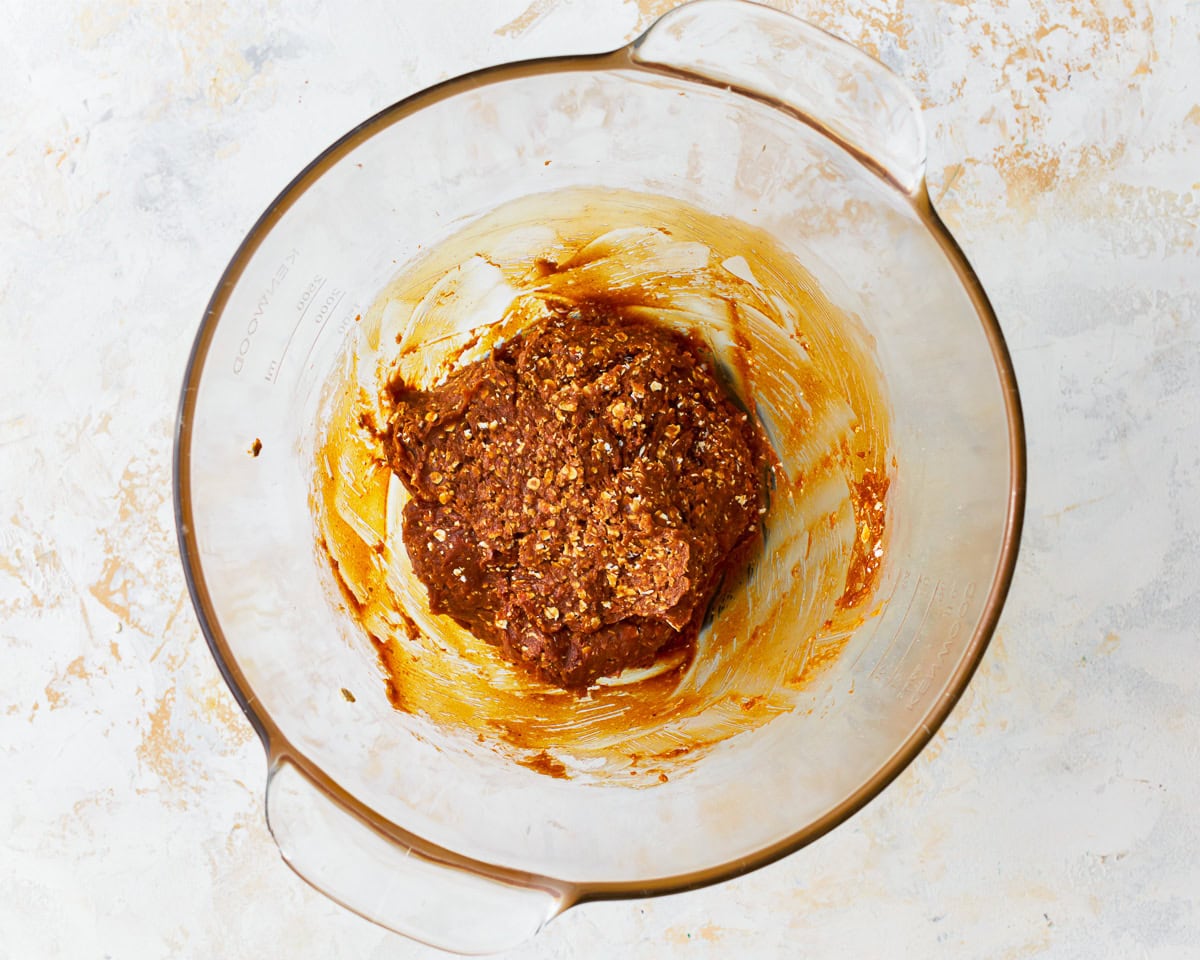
(578,496)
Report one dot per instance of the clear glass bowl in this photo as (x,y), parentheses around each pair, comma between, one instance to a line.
(739,110)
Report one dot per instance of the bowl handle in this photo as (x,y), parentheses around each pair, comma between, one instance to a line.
(392,884)
(832,85)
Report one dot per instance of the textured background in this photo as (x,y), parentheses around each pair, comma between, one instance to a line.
(1055,814)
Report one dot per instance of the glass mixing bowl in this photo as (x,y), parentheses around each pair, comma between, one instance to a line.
(743,112)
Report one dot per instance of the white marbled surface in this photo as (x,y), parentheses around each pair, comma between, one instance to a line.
(1056,813)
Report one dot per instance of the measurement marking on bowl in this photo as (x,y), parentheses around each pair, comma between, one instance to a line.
(924,673)
(933,597)
(309,298)
(869,644)
(956,626)
(260,309)
(899,628)
(323,316)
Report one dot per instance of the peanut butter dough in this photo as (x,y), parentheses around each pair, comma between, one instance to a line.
(578,496)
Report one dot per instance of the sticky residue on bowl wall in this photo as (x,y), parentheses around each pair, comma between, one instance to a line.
(786,352)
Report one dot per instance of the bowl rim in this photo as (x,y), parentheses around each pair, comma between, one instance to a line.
(275,742)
